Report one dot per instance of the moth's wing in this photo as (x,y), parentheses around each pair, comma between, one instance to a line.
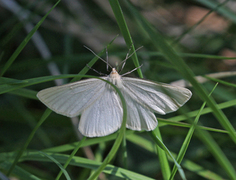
(158,97)
(103,117)
(71,99)
(139,117)
(145,97)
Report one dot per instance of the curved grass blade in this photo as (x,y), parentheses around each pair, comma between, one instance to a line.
(58,164)
(43,118)
(47,111)
(119,139)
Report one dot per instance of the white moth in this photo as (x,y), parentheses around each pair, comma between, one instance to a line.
(100,107)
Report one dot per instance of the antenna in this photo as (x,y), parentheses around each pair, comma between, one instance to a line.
(132,70)
(99,57)
(127,57)
(102,74)
(107,58)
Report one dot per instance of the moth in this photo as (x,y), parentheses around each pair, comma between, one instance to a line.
(100,106)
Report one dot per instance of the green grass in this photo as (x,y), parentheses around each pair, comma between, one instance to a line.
(196,142)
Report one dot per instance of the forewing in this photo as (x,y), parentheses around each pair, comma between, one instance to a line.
(103,117)
(158,97)
(71,99)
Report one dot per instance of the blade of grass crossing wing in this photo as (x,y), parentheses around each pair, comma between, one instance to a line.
(43,118)
(188,138)
(125,32)
(119,137)
(82,72)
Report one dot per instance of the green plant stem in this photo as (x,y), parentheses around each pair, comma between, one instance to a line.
(71,156)
(19,154)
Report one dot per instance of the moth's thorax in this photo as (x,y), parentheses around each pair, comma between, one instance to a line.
(115,78)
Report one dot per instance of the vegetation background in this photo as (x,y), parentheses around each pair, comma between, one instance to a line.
(180,39)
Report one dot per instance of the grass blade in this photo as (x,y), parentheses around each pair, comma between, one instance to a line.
(19,154)
(188,139)
(186,72)
(70,158)
(58,164)
(165,167)
(119,139)
(125,32)
(24,42)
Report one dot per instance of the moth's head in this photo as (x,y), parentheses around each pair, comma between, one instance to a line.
(114,71)
(114,74)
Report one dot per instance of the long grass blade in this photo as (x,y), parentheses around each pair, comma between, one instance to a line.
(181,66)
(188,138)
(25,41)
(58,164)
(119,139)
(125,32)
(70,158)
